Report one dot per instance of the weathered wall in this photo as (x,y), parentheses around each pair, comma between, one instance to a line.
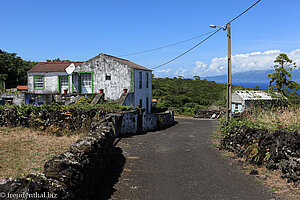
(26,98)
(54,121)
(150,122)
(69,175)
(129,123)
(277,150)
(18,98)
(101,66)
(129,100)
(143,93)
(50,81)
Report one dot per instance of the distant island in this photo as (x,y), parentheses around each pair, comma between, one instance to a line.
(251,78)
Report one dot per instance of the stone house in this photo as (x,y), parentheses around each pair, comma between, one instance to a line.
(104,73)
(243,99)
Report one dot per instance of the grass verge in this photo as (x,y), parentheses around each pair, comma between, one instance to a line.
(23,150)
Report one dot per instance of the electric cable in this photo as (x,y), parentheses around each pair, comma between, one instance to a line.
(206,38)
(162,47)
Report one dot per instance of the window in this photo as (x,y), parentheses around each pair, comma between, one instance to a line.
(64,82)
(141,103)
(38,82)
(147,104)
(140,80)
(108,78)
(147,80)
(236,106)
(86,80)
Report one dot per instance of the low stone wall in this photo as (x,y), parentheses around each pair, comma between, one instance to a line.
(135,121)
(277,150)
(68,175)
(54,121)
(71,174)
(209,114)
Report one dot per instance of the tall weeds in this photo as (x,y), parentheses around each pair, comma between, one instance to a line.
(280,118)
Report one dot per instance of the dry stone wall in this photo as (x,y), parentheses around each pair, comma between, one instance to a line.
(68,175)
(71,174)
(277,150)
(54,121)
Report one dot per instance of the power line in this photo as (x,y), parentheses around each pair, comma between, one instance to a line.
(187,50)
(244,12)
(207,37)
(158,48)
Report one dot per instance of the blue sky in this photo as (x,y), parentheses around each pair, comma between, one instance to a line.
(79,30)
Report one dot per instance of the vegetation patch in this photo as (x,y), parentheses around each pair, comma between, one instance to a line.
(56,118)
(23,150)
(185,96)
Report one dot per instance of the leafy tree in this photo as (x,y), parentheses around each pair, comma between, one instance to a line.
(13,69)
(197,77)
(58,60)
(281,78)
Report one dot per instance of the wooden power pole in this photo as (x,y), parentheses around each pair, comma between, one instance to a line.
(229,106)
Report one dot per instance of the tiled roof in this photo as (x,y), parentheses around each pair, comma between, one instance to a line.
(22,87)
(53,66)
(127,62)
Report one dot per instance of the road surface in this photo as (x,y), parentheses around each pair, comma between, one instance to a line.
(179,163)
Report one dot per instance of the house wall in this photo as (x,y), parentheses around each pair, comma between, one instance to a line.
(236,98)
(102,66)
(240,107)
(17,98)
(142,93)
(50,82)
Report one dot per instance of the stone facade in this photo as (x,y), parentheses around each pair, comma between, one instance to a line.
(51,82)
(107,73)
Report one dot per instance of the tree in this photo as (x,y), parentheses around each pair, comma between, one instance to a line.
(281,78)
(197,77)
(13,69)
(58,60)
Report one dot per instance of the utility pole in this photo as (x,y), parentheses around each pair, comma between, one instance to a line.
(229,106)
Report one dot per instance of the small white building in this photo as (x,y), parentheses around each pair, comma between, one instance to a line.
(243,99)
(104,73)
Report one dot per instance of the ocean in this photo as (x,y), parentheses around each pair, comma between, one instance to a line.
(262,86)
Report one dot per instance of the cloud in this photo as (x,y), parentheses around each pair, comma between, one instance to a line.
(240,63)
(164,73)
(181,72)
(243,62)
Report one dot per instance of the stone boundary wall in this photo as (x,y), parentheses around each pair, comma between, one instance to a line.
(132,122)
(60,122)
(209,114)
(69,175)
(57,122)
(277,150)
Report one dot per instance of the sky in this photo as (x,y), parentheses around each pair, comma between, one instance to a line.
(79,30)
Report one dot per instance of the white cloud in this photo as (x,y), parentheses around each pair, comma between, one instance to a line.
(164,73)
(181,72)
(240,63)
(244,62)
(200,66)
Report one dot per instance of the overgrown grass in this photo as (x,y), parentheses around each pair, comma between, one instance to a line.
(270,119)
(280,118)
(23,151)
